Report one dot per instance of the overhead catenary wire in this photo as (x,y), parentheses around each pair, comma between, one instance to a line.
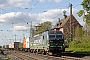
(17,6)
(29,10)
(31,1)
(19,9)
(10,6)
(59,14)
(74,6)
(13,10)
(7,12)
(21,12)
(77,5)
(3,10)
(66,7)
(33,6)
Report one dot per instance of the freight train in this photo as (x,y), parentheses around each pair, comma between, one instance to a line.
(51,41)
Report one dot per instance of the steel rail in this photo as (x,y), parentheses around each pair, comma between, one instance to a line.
(21,56)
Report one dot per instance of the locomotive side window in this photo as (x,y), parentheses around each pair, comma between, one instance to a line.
(43,37)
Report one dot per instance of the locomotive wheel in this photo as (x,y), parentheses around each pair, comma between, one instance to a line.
(53,53)
(43,52)
(49,53)
(59,54)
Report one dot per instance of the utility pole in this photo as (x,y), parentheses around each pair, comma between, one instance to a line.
(70,22)
(30,36)
(15,37)
(31,30)
(10,40)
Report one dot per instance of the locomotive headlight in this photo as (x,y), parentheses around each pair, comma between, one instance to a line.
(48,44)
(63,44)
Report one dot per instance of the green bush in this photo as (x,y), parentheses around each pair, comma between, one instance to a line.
(80,42)
(8,57)
(80,45)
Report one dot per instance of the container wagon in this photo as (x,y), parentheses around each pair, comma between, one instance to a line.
(14,45)
(26,44)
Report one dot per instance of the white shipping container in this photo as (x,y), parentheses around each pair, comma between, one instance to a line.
(27,43)
(6,46)
(11,45)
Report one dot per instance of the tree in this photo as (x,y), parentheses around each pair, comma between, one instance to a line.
(43,27)
(86,11)
(87,29)
(79,33)
(86,14)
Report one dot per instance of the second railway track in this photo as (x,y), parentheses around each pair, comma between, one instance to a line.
(33,56)
(22,56)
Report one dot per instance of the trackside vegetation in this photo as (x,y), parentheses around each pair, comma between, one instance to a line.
(77,46)
(81,40)
(80,43)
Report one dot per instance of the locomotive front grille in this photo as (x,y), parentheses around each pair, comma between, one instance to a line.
(53,48)
(56,44)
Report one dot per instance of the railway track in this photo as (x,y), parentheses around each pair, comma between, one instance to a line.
(22,56)
(70,58)
(60,58)
(46,57)
(32,56)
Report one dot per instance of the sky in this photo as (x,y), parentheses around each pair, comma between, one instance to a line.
(15,14)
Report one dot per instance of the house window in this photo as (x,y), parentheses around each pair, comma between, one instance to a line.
(57,24)
(60,23)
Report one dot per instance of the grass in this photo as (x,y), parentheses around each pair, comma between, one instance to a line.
(8,57)
(78,50)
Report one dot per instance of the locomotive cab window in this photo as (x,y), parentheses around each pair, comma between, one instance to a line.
(59,36)
(51,36)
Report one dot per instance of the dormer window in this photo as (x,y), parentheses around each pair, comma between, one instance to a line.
(60,23)
(57,24)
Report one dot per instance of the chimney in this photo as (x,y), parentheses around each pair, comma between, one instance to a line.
(59,19)
(70,9)
(65,16)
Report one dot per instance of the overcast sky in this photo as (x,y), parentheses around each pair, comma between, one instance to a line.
(15,14)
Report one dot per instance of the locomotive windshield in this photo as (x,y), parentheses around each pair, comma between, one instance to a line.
(55,35)
(52,36)
(59,36)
